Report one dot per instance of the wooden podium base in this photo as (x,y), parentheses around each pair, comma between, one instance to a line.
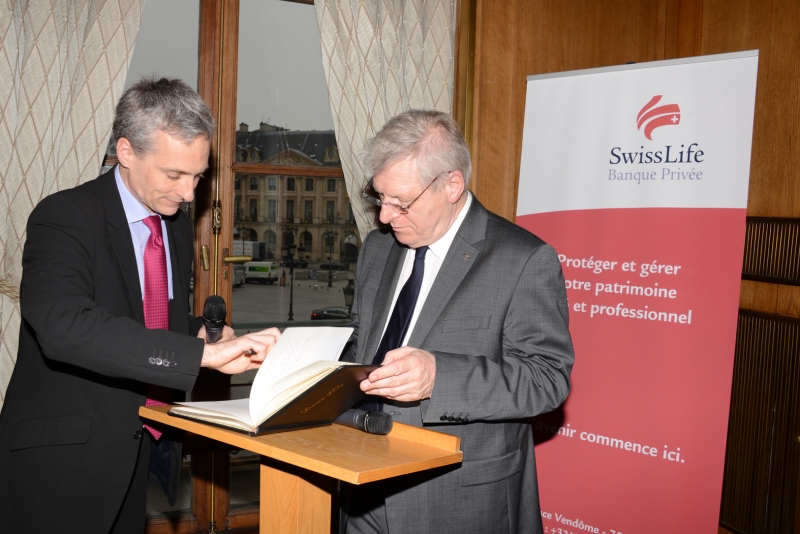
(297,500)
(299,468)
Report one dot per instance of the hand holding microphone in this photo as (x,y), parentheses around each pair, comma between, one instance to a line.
(224,351)
(214,313)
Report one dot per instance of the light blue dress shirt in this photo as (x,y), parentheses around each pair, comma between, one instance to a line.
(135,213)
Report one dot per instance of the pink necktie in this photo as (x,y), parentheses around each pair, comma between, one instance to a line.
(156,299)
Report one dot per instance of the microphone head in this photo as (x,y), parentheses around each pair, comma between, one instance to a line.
(214,309)
(377,422)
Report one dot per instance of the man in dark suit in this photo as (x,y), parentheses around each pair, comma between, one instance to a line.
(104,301)
(478,309)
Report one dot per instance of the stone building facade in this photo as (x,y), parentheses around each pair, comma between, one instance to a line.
(315,211)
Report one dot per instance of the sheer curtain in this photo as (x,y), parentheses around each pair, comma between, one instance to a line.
(62,69)
(382,57)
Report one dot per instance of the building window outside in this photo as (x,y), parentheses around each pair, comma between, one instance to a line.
(290,210)
(236,183)
(290,184)
(309,184)
(331,185)
(253,209)
(272,183)
(272,205)
(253,184)
(330,209)
(309,211)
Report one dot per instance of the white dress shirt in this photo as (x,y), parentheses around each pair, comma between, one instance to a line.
(433,262)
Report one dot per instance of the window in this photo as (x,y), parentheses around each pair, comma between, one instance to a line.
(253,209)
(331,185)
(236,183)
(290,211)
(281,112)
(330,209)
(253,183)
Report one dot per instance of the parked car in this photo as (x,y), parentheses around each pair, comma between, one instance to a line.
(333,266)
(296,261)
(332,312)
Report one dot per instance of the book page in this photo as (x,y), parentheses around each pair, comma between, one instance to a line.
(297,347)
(238,410)
(291,386)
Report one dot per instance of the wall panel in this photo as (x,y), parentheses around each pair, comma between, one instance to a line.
(772,27)
(760,488)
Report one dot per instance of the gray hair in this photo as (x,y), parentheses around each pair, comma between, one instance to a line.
(169,105)
(431,138)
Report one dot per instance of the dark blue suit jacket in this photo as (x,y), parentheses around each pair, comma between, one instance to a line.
(68,425)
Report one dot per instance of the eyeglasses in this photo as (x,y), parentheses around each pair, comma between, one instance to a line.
(369,194)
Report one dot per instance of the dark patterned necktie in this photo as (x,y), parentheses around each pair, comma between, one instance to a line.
(397,328)
(156,299)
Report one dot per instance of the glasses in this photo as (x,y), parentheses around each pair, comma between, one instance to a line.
(369,194)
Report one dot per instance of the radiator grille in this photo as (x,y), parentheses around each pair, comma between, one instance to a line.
(772,250)
(761,465)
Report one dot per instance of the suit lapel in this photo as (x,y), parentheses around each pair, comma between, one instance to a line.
(175,256)
(383,300)
(457,263)
(121,243)
(179,304)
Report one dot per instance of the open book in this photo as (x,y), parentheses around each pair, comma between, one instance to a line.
(300,384)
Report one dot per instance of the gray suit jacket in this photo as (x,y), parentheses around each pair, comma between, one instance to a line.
(497,321)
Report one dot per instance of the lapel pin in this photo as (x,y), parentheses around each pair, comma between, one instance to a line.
(466,257)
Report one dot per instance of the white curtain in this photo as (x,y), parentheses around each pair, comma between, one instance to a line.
(382,57)
(63,65)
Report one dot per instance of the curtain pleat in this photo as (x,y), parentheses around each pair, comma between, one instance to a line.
(62,70)
(382,57)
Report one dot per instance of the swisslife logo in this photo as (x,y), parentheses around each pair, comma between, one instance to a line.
(652,117)
(639,160)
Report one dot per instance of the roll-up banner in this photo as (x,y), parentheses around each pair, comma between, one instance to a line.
(638,176)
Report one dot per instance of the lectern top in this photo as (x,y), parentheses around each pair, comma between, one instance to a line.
(336,451)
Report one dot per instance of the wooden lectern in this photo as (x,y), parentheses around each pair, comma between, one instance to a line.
(298,467)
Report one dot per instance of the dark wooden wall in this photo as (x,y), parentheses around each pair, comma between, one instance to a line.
(506,42)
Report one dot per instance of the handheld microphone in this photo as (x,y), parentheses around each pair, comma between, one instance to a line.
(214,317)
(370,421)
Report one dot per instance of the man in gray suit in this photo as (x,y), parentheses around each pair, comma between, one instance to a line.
(478,309)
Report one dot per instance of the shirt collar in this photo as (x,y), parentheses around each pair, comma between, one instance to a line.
(440,247)
(134,210)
